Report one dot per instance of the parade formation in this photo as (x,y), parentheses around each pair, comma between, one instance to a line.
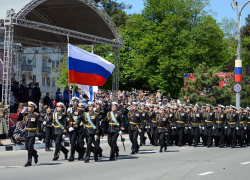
(162,124)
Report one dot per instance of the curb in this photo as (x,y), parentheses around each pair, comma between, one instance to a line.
(16,147)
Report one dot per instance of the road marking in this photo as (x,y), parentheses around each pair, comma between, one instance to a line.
(10,167)
(205,173)
(245,163)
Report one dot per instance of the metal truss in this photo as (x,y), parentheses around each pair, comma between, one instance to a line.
(45,50)
(91,3)
(47,20)
(65,32)
(105,17)
(115,79)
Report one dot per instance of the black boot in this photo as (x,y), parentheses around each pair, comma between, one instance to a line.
(36,159)
(71,159)
(46,148)
(55,158)
(66,156)
(86,161)
(165,148)
(27,164)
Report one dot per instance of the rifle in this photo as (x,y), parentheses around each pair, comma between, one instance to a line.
(122,140)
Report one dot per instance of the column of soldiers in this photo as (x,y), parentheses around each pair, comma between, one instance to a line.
(164,126)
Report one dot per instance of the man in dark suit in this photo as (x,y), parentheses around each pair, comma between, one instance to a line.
(23,92)
(37,94)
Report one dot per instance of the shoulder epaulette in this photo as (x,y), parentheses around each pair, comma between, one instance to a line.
(36,113)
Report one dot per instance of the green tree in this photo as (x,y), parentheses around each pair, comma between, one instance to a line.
(204,89)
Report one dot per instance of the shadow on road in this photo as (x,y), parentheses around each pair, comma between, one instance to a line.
(48,164)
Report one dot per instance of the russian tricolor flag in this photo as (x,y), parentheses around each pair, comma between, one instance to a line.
(86,68)
(238,70)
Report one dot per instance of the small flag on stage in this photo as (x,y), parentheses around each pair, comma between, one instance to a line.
(86,68)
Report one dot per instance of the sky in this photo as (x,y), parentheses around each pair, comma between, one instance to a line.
(222,8)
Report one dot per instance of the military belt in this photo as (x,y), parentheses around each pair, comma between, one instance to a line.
(30,129)
(231,123)
(248,122)
(87,126)
(208,121)
(144,120)
(161,127)
(182,122)
(195,124)
(112,123)
(220,122)
(73,122)
(57,127)
(242,122)
(154,121)
(134,123)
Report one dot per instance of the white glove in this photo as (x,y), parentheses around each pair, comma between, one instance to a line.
(186,127)
(148,126)
(67,119)
(71,129)
(95,137)
(69,109)
(190,128)
(203,128)
(36,138)
(120,133)
(63,137)
(237,128)
(213,127)
(139,130)
(225,127)
(44,123)
(245,128)
(174,127)
(52,124)
(100,123)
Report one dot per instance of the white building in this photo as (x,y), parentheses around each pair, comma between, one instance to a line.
(40,68)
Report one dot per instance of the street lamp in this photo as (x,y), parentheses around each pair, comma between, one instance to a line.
(238,62)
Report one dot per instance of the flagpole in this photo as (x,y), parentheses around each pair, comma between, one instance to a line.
(69,84)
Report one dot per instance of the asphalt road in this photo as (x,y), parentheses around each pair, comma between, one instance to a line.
(175,164)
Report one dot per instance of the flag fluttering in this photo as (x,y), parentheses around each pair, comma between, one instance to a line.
(86,68)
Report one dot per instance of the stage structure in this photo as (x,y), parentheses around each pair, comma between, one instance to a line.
(43,26)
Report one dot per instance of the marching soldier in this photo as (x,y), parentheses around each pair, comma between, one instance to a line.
(174,126)
(162,127)
(195,119)
(220,120)
(74,129)
(134,118)
(232,119)
(115,128)
(170,115)
(143,124)
(101,116)
(188,138)
(81,136)
(59,123)
(181,121)
(248,126)
(210,116)
(91,124)
(32,129)
(152,117)
(49,128)
(151,113)
(241,127)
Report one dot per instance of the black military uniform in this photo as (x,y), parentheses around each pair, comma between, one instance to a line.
(232,119)
(115,124)
(48,131)
(208,124)
(169,128)
(134,119)
(143,125)
(90,132)
(195,120)
(181,121)
(101,116)
(152,117)
(220,120)
(241,128)
(163,125)
(248,128)
(32,129)
(74,134)
(60,129)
